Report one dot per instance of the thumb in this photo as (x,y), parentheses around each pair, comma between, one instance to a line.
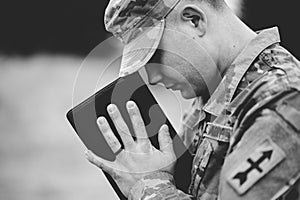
(99,162)
(164,139)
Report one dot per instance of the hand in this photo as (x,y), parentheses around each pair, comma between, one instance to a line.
(139,158)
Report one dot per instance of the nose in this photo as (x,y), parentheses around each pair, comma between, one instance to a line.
(153,73)
(154,79)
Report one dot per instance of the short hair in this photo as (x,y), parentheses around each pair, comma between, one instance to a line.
(217,4)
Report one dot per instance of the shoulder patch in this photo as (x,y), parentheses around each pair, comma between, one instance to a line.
(263,159)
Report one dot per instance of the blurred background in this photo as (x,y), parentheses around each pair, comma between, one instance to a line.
(44,46)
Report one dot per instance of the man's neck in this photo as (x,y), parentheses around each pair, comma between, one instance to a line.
(237,37)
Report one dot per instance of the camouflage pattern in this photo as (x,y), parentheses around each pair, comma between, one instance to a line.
(262,88)
(127,19)
(139,25)
(155,187)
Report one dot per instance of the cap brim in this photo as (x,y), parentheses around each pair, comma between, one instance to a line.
(139,51)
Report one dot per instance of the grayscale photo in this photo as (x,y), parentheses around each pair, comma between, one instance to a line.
(150,100)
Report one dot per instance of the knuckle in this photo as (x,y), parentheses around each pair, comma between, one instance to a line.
(104,128)
(144,142)
(138,123)
(134,110)
(120,124)
(122,129)
(115,144)
(114,115)
(96,162)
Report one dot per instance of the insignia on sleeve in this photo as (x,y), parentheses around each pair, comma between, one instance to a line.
(263,159)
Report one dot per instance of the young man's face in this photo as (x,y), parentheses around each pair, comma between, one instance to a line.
(175,73)
(181,63)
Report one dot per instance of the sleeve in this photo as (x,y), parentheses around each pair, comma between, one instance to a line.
(157,186)
(264,161)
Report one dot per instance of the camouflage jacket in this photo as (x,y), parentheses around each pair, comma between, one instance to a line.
(245,139)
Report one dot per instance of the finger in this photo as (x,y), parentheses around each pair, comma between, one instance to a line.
(164,139)
(99,162)
(137,122)
(120,125)
(108,134)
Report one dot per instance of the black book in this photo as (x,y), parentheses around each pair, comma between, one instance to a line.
(83,119)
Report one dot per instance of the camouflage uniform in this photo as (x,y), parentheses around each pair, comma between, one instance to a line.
(262,113)
(245,139)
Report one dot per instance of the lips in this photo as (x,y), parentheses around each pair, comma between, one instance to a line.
(172,87)
(169,86)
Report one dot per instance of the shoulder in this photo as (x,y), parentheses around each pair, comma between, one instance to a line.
(282,77)
(284,67)
(263,160)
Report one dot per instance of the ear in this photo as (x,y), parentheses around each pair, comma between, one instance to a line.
(196,17)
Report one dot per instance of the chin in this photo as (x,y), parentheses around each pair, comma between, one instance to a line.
(187,95)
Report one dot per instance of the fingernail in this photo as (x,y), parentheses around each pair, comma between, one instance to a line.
(130,104)
(166,128)
(101,120)
(111,108)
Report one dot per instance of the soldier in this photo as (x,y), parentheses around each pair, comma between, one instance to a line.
(244,125)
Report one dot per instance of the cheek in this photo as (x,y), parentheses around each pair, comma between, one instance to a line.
(196,85)
(173,67)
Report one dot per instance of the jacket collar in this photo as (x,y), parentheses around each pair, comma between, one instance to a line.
(223,94)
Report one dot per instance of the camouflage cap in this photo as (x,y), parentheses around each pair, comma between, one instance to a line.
(139,24)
